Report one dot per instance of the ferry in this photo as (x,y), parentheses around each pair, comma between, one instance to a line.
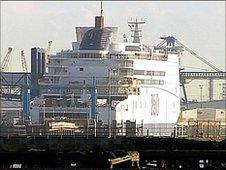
(102,78)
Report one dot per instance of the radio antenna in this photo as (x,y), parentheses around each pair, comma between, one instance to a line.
(101,8)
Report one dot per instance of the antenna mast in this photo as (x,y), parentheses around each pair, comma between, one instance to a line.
(99,20)
(134,26)
(101,8)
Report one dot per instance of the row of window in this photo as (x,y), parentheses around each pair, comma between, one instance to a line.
(140,56)
(152,82)
(125,63)
(132,48)
(118,56)
(89,55)
(79,55)
(131,72)
(149,73)
(160,57)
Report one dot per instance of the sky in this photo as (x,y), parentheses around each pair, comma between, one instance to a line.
(199,25)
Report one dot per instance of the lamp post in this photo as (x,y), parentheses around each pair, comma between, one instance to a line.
(109,98)
(109,102)
(201,86)
(87,120)
(44,111)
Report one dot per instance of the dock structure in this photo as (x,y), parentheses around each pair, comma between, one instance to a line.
(104,103)
(96,152)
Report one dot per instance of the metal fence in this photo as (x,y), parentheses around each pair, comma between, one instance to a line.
(194,130)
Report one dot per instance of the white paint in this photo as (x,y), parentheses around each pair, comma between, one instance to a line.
(156,104)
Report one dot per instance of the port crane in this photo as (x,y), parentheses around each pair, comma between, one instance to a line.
(199,57)
(207,63)
(170,41)
(23,62)
(6,60)
(47,53)
(14,90)
(216,74)
(48,50)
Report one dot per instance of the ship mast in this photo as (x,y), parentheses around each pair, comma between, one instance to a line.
(134,26)
(101,8)
(99,20)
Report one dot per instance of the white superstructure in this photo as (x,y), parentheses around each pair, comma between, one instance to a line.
(133,81)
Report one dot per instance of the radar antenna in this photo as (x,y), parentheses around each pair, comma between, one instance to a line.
(134,26)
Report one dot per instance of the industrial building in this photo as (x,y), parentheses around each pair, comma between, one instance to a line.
(202,123)
(38,65)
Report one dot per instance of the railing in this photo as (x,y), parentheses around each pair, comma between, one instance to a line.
(64,109)
(191,132)
(159,57)
(56,65)
(57,74)
(203,75)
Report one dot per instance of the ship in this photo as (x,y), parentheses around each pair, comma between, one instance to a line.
(106,80)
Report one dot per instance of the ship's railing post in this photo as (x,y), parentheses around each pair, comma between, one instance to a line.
(182,131)
(175,131)
(8,133)
(160,133)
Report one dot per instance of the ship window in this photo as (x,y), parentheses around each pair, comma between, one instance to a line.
(132,48)
(149,73)
(139,72)
(81,69)
(156,82)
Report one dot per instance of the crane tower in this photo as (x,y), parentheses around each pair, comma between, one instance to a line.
(23,61)
(6,60)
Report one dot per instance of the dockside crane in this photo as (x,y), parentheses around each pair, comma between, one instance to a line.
(23,61)
(6,60)
(170,41)
(198,56)
(48,50)
(47,53)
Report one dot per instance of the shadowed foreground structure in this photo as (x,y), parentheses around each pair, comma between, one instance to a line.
(68,152)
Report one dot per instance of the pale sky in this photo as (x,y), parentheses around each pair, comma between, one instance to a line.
(199,25)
